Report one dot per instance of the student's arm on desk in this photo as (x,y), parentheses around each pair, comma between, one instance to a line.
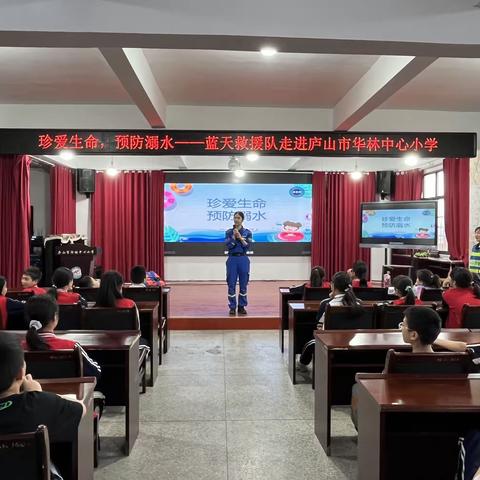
(451,345)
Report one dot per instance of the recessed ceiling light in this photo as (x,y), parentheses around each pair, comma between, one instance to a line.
(268,51)
(239,173)
(411,159)
(252,156)
(111,172)
(67,155)
(356,175)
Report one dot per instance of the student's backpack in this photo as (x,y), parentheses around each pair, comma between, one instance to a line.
(469,456)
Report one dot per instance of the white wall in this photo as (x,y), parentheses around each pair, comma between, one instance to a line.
(213,268)
(40,200)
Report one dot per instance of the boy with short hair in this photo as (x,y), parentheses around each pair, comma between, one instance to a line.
(138,276)
(23,404)
(30,278)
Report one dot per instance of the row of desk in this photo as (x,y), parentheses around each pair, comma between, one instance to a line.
(118,353)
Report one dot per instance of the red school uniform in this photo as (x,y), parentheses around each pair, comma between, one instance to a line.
(36,290)
(3,312)
(67,298)
(456,298)
(124,303)
(401,301)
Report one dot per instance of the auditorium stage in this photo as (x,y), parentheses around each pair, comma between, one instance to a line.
(203,306)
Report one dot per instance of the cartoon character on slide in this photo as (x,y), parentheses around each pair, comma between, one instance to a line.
(422,233)
(291,232)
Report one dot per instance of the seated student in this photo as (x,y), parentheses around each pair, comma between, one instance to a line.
(404,289)
(138,276)
(8,306)
(317,279)
(154,280)
(110,292)
(41,311)
(30,278)
(420,328)
(463,292)
(427,280)
(23,405)
(62,280)
(88,282)
(341,295)
(358,274)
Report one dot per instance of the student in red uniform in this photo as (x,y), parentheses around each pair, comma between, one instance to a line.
(62,280)
(41,312)
(23,405)
(404,289)
(30,278)
(8,306)
(463,292)
(317,279)
(358,273)
(110,292)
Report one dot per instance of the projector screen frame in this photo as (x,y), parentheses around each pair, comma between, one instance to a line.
(259,249)
(419,243)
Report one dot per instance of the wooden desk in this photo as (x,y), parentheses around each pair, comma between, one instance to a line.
(340,354)
(166,314)
(301,324)
(285,297)
(117,353)
(409,427)
(148,312)
(75,459)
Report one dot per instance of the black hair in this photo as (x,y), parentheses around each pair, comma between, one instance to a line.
(3,282)
(428,278)
(317,276)
(342,282)
(425,321)
(241,214)
(11,360)
(43,309)
(110,289)
(478,228)
(360,269)
(34,273)
(463,279)
(85,282)
(61,277)
(404,286)
(138,274)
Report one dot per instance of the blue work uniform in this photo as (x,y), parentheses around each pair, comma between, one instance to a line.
(238,266)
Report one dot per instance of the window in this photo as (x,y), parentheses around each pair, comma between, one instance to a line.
(433,190)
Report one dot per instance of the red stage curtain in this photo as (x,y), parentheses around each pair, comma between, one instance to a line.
(457,206)
(62,200)
(127,221)
(408,185)
(15,217)
(336,220)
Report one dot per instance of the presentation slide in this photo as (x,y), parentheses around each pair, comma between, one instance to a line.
(418,223)
(201,212)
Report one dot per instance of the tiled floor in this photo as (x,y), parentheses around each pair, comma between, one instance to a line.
(224,408)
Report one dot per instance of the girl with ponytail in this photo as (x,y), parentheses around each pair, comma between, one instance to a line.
(41,312)
(61,291)
(404,289)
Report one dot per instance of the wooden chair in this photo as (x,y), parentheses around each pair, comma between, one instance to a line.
(19,295)
(54,363)
(371,293)
(70,317)
(431,294)
(389,316)
(88,293)
(471,316)
(349,318)
(25,456)
(112,318)
(316,293)
(442,363)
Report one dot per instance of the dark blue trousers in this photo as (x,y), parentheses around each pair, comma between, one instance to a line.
(237,268)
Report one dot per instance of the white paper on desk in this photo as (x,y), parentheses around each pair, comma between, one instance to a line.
(70,396)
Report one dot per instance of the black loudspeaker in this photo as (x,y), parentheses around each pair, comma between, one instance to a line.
(385,183)
(85,180)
